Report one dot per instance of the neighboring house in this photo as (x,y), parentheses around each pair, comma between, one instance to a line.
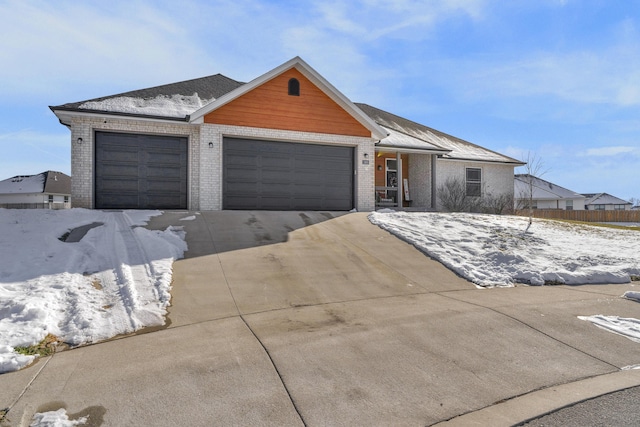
(545,195)
(605,202)
(287,140)
(49,190)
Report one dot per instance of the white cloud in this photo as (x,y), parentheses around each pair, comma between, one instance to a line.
(54,47)
(612,151)
(370,20)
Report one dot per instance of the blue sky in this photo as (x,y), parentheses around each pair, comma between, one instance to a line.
(559,79)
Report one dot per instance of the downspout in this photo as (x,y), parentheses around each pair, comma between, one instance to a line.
(399,177)
(434,158)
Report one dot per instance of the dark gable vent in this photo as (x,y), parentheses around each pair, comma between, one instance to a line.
(294,87)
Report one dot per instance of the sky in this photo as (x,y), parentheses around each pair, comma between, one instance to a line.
(556,81)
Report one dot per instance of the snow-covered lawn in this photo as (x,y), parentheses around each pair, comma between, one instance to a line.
(115,280)
(493,250)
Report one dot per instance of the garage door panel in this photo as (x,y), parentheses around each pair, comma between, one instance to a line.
(286,176)
(164,186)
(113,185)
(124,156)
(164,201)
(241,175)
(283,163)
(120,200)
(245,160)
(118,171)
(276,176)
(135,171)
(162,173)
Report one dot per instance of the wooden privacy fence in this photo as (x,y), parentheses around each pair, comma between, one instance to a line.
(585,216)
(56,206)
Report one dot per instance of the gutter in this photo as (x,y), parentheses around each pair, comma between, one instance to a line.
(87,112)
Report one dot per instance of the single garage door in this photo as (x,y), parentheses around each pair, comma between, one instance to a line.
(270,175)
(140,171)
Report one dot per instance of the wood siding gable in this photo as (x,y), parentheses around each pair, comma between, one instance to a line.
(270,106)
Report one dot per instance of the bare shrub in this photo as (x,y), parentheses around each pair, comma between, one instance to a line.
(452,195)
(453,198)
(498,204)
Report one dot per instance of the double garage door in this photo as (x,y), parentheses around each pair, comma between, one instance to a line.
(271,175)
(135,171)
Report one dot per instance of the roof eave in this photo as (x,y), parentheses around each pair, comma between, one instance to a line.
(514,163)
(64,113)
(409,150)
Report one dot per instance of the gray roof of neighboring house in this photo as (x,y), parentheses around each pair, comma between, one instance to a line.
(542,190)
(458,149)
(604,199)
(49,182)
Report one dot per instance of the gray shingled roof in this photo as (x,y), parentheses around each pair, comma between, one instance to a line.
(604,199)
(207,88)
(542,189)
(57,183)
(459,149)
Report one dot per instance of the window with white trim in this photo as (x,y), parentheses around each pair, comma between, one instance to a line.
(474,182)
(569,205)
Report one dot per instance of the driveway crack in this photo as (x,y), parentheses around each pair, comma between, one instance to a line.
(264,347)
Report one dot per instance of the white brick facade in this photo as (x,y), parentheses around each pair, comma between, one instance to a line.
(205,156)
(497,179)
(420,180)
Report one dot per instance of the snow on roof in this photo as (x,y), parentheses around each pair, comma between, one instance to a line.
(23,184)
(459,149)
(401,140)
(174,100)
(604,199)
(542,189)
(161,105)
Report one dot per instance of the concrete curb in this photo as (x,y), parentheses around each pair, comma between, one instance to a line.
(541,402)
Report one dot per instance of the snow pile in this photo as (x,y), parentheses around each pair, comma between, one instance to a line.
(627,327)
(57,418)
(162,105)
(492,250)
(115,280)
(632,295)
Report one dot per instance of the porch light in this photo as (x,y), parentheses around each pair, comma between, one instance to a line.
(211,145)
(79,140)
(379,167)
(366,155)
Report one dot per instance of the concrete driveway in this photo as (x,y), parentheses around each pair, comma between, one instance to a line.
(309,318)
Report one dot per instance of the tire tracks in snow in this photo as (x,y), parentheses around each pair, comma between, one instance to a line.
(132,270)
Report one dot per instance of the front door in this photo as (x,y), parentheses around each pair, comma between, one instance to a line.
(391,176)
